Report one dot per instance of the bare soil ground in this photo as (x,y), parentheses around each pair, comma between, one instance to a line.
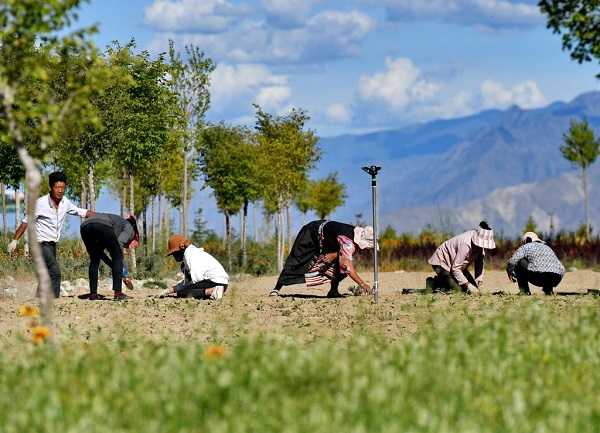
(246,309)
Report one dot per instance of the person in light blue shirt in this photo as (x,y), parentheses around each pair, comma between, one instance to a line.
(534,262)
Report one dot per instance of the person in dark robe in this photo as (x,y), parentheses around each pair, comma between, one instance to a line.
(323,254)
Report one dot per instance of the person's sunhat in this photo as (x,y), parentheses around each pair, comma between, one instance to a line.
(177,243)
(532,238)
(483,237)
(363,237)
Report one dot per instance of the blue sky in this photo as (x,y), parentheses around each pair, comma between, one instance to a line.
(357,65)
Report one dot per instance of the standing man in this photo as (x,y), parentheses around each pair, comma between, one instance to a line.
(203,276)
(50,213)
(534,262)
(110,232)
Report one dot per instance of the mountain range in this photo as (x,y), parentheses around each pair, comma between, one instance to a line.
(502,166)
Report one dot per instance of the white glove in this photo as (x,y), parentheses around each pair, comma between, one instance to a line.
(11,247)
(472,290)
(163,293)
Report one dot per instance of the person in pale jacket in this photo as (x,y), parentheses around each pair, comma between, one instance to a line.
(451,260)
(203,276)
(534,262)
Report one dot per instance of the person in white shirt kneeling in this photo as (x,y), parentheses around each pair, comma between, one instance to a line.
(203,276)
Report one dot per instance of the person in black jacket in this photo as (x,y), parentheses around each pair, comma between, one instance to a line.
(322,253)
(105,231)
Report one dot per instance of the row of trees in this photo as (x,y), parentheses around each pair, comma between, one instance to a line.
(140,130)
(122,120)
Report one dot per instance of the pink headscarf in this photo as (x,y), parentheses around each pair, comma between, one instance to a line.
(132,243)
(363,237)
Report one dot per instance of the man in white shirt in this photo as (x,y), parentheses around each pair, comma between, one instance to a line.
(50,213)
(203,276)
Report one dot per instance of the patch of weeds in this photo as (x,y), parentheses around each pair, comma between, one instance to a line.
(154,285)
(355,290)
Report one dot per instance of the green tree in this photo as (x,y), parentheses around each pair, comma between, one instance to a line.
(11,175)
(190,82)
(83,153)
(326,195)
(288,154)
(579,23)
(302,202)
(228,159)
(389,234)
(31,116)
(582,149)
(530,225)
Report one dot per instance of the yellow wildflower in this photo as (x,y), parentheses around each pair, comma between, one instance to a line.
(214,351)
(26,310)
(40,334)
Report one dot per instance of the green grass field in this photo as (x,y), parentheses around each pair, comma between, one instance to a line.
(491,364)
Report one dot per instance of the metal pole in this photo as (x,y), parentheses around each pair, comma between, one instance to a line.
(372,170)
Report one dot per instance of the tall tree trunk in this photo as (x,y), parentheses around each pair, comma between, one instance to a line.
(3,188)
(184,227)
(180,209)
(132,211)
(587,205)
(279,234)
(123,193)
(288,208)
(153,218)
(244,235)
(160,214)
(255,221)
(33,179)
(92,189)
(228,238)
(225,230)
(18,208)
(82,194)
(167,219)
(82,203)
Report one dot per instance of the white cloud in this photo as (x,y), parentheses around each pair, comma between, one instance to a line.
(525,94)
(338,112)
(488,13)
(400,85)
(326,37)
(238,87)
(274,98)
(458,105)
(204,16)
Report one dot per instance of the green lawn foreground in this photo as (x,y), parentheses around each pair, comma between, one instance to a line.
(494,364)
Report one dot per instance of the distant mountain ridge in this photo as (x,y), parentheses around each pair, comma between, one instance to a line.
(499,165)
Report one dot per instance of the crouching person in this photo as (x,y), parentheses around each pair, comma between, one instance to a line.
(203,276)
(534,262)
